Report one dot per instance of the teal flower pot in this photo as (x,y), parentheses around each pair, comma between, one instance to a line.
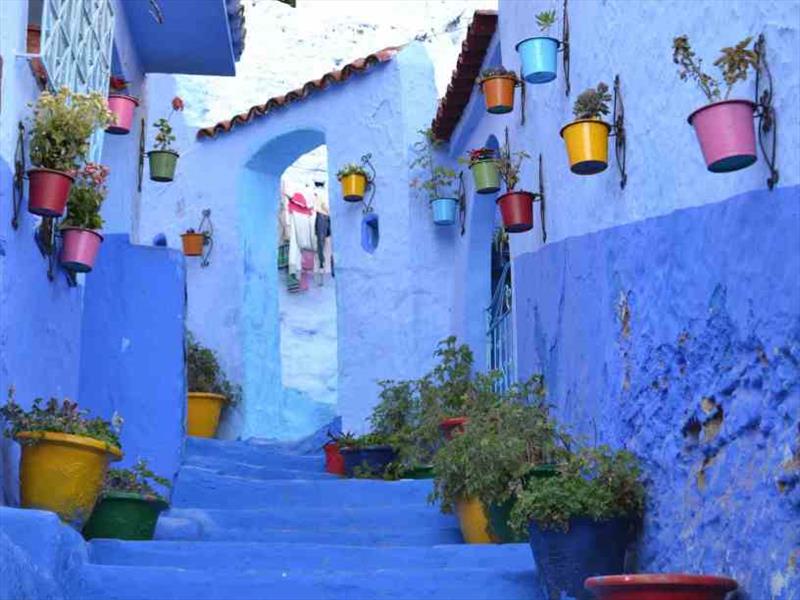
(162,164)
(444,211)
(486,176)
(124,516)
(538,56)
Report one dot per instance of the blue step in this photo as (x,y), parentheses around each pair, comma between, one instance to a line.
(257,472)
(168,583)
(201,451)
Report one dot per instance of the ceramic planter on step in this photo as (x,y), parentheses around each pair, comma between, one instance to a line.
(372,459)
(726,133)
(500,531)
(334,461)
(444,211)
(538,57)
(63,473)
(498,91)
(486,176)
(516,209)
(453,426)
(567,558)
(162,164)
(48,192)
(124,516)
(420,472)
(668,586)
(123,108)
(354,186)
(473,521)
(80,248)
(587,145)
(192,243)
(203,413)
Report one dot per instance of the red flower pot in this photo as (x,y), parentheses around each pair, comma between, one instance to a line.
(660,587)
(80,248)
(453,426)
(334,461)
(123,107)
(517,211)
(48,192)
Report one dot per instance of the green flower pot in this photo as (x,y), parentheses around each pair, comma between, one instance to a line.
(500,530)
(419,472)
(162,164)
(486,176)
(124,516)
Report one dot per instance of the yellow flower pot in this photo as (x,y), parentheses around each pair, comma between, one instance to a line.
(353,187)
(473,522)
(63,473)
(587,145)
(204,411)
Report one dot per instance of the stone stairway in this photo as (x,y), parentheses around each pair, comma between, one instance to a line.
(256,521)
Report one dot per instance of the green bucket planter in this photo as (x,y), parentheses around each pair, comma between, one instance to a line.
(124,516)
(419,472)
(162,164)
(486,176)
(499,514)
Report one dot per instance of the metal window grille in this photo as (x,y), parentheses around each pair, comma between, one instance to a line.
(500,331)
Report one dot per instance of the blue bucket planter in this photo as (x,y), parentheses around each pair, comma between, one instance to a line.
(589,548)
(373,459)
(444,211)
(538,56)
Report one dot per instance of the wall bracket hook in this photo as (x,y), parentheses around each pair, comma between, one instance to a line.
(765,112)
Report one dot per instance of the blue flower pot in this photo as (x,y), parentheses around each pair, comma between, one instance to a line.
(372,460)
(538,55)
(444,211)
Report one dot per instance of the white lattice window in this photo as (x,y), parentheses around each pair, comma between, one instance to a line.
(77,41)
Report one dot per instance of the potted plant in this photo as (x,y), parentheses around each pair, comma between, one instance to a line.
(366,456)
(193,242)
(334,461)
(581,520)
(79,229)
(483,164)
(62,124)
(209,389)
(587,136)
(516,206)
(163,159)
(65,455)
(724,127)
(122,106)
(129,504)
(661,586)
(538,54)
(497,85)
(354,180)
(439,185)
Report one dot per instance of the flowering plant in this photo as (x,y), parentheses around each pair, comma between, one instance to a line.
(164,136)
(139,479)
(351,169)
(478,154)
(86,196)
(117,84)
(62,124)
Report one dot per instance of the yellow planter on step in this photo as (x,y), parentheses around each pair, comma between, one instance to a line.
(204,411)
(473,522)
(63,473)
(353,187)
(587,145)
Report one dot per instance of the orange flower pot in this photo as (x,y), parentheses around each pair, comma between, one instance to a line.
(192,243)
(499,93)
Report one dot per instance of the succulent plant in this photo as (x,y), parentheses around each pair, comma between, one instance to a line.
(592,103)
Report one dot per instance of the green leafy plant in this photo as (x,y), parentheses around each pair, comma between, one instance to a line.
(495,71)
(139,479)
(734,64)
(351,169)
(597,483)
(205,373)
(64,417)
(592,103)
(164,135)
(477,155)
(61,126)
(509,165)
(86,197)
(545,20)
(440,181)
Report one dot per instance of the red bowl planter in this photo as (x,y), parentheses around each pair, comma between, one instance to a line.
(334,461)
(453,426)
(660,587)
(48,192)
(517,211)
(123,107)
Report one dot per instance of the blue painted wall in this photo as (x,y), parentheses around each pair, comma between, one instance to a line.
(132,355)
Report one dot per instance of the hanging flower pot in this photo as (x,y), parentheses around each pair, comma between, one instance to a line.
(334,461)
(203,413)
(472,521)
(497,85)
(485,176)
(444,211)
(667,586)
(80,248)
(587,145)
(452,426)
(538,56)
(354,182)
(192,243)
(123,108)
(124,516)
(516,209)
(726,132)
(368,459)
(48,192)
(162,164)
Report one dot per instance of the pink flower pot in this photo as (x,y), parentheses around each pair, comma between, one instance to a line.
(123,107)
(726,132)
(668,586)
(80,248)
(48,192)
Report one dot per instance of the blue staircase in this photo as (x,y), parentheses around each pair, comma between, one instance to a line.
(256,521)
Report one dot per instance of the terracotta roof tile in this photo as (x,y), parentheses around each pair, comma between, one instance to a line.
(473,51)
(360,65)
